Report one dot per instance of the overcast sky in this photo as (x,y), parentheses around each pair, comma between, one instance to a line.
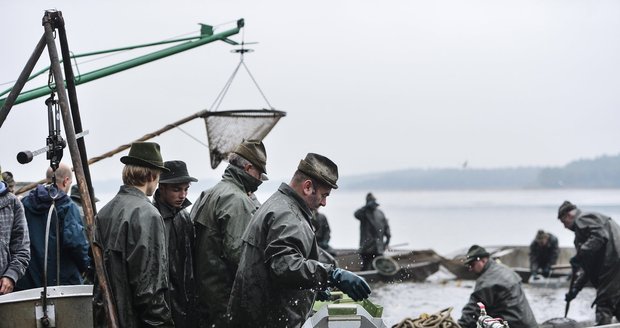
(374,85)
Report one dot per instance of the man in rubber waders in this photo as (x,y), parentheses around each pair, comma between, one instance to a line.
(544,252)
(499,289)
(132,237)
(374,231)
(279,274)
(597,241)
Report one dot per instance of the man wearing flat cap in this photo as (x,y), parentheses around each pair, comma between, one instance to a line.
(131,234)
(597,241)
(499,289)
(220,216)
(171,201)
(374,231)
(544,252)
(279,274)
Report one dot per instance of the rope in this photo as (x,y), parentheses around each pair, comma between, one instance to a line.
(441,319)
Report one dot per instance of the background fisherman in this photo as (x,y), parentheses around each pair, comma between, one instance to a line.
(220,216)
(544,252)
(131,234)
(374,231)
(14,235)
(322,232)
(74,259)
(170,199)
(597,241)
(76,197)
(279,273)
(499,289)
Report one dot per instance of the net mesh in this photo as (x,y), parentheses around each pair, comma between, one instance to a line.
(227,129)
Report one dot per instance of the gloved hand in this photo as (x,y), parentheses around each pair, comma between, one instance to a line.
(323,295)
(350,283)
(572,293)
(546,272)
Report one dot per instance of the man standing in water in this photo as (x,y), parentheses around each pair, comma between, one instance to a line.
(132,237)
(279,273)
(374,231)
(597,241)
(170,199)
(499,289)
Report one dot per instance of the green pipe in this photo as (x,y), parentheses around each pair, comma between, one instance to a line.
(119,67)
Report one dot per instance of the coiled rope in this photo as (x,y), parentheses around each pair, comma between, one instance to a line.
(441,319)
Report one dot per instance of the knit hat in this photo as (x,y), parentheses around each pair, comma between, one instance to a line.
(565,208)
(320,168)
(474,253)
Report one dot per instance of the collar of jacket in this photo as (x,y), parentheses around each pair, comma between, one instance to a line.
(487,266)
(287,190)
(166,210)
(40,200)
(249,183)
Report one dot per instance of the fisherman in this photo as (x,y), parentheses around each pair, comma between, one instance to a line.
(322,232)
(374,231)
(132,237)
(171,201)
(76,197)
(14,235)
(279,274)
(544,252)
(499,289)
(597,241)
(220,217)
(74,259)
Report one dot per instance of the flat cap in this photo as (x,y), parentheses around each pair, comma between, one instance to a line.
(565,208)
(254,151)
(321,168)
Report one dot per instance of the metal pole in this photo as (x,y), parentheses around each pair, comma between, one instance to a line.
(21,80)
(48,20)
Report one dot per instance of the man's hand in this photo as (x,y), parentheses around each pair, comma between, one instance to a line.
(323,295)
(6,285)
(350,283)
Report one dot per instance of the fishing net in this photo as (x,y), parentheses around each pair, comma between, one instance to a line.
(227,129)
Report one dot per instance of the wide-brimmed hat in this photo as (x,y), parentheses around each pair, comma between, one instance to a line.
(565,208)
(177,173)
(145,154)
(77,196)
(321,168)
(253,151)
(475,253)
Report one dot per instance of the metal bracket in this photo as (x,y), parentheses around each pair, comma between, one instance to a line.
(42,320)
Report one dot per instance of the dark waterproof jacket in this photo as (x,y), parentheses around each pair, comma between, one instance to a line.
(182,287)
(597,241)
(131,233)
(373,228)
(499,289)
(220,216)
(73,245)
(14,238)
(279,271)
(544,256)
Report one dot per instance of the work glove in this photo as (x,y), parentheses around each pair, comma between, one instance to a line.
(323,295)
(546,272)
(350,283)
(572,293)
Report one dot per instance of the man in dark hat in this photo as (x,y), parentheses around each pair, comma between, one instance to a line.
(374,231)
(171,201)
(220,217)
(279,274)
(597,241)
(132,237)
(76,197)
(499,289)
(544,252)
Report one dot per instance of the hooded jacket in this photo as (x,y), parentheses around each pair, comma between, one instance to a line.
(14,238)
(180,237)
(74,247)
(220,216)
(131,234)
(499,289)
(373,228)
(597,241)
(279,271)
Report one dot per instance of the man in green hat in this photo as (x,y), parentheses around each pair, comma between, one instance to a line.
(597,241)
(279,273)
(131,234)
(171,201)
(220,216)
(499,289)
